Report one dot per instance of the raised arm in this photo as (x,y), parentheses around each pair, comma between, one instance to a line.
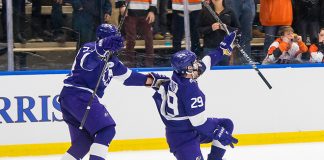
(225,49)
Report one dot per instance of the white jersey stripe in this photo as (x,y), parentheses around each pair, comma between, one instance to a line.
(83,88)
(198,119)
(82,61)
(124,76)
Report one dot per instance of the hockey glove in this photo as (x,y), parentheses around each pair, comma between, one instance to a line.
(227,44)
(224,137)
(157,80)
(113,43)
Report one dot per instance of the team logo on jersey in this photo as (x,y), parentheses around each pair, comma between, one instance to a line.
(108,73)
(199,158)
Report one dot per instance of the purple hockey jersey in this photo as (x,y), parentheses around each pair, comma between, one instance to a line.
(88,66)
(181,105)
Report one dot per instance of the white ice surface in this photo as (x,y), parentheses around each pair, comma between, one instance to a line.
(300,151)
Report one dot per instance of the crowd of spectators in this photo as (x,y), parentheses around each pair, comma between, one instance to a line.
(37,22)
(150,19)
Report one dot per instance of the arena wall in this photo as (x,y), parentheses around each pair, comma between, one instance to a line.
(31,121)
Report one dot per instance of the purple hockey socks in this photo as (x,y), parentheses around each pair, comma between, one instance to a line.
(99,148)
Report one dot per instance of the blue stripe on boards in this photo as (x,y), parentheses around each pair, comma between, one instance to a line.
(157,69)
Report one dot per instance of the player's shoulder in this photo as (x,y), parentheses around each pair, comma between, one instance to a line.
(183,83)
(87,48)
(89,45)
(167,85)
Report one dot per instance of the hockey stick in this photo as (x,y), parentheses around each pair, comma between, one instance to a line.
(122,19)
(108,55)
(245,55)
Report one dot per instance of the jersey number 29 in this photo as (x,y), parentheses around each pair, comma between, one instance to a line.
(197,102)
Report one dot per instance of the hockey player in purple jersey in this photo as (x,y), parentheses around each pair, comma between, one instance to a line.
(99,127)
(181,105)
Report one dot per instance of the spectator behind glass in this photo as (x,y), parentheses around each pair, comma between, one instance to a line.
(306,17)
(140,15)
(39,29)
(37,24)
(160,24)
(87,15)
(257,27)
(212,31)
(322,14)
(19,17)
(3,22)
(245,12)
(178,28)
(316,51)
(57,20)
(273,14)
(286,49)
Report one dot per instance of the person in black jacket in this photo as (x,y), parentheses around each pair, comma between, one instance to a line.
(322,15)
(307,17)
(212,31)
